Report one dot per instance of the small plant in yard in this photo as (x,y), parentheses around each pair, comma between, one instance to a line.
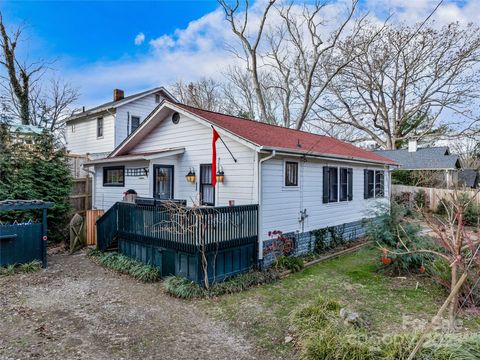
(183,288)
(391,230)
(454,247)
(294,264)
(29,267)
(126,265)
(323,335)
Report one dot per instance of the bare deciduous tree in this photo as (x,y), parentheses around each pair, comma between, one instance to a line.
(204,93)
(250,46)
(290,62)
(402,81)
(25,93)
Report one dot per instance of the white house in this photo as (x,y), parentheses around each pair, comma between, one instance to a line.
(300,181)
(97,131)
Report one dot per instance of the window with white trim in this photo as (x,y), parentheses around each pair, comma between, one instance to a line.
(374,184)
(134,123)
(100,127)
(337,184)
(291,173)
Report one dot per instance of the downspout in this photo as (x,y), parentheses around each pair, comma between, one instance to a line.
(260,241)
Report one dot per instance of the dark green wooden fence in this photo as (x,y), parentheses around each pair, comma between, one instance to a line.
(173,238)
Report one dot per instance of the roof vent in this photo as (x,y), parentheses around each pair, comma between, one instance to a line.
(118,94)
(412,145)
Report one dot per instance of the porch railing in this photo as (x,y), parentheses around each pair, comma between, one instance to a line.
(180,228)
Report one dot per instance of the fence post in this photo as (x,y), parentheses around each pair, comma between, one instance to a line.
(44,238)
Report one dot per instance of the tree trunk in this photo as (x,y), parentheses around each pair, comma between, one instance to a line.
(453,304)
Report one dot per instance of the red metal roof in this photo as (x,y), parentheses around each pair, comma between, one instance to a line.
(279,137)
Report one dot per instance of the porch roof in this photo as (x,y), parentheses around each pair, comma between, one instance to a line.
(138,156)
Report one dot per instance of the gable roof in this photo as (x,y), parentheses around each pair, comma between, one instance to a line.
(273,137)
(469,178)
(259,136)
(114,104)
(429,158)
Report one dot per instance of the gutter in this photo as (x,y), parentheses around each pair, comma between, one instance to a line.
(260,217)
(301,153)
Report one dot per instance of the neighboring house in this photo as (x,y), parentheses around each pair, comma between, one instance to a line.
(436,161)
(24,133)
(97,131)
(469,178)
(300,181)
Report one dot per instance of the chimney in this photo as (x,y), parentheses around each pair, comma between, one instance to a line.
(118,94)
(412,145)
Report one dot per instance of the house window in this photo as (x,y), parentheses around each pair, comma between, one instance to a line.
(99,127)
(333,185)
(291,173)
(374,184)
(337,184)
(207,191)
(379,183)
(134,123)
(157,98)
(72,128)
(114,176)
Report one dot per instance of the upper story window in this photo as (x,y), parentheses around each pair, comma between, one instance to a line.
(337,184)
(134,123)
(72,128)
(374,183)
(291,173)
(157,98)
(99,127)
(114,176)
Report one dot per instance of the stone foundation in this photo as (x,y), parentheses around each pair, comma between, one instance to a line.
(304,243)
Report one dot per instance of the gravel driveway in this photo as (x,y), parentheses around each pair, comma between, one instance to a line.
(76,309)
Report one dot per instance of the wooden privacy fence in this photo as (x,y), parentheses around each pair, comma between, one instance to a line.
(81,195)
(173,239)
(434,195)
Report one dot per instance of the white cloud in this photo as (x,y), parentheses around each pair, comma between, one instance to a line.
(199,50)
(139,39)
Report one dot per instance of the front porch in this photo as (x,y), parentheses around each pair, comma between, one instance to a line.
(185,241)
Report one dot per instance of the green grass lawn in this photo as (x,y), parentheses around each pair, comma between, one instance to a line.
(388,303)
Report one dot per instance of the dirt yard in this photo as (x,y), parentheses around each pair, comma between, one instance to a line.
(76,309)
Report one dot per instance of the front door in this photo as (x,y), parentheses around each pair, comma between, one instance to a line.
(207,191)
(163,182)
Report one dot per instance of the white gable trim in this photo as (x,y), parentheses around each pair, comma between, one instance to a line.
(118,104)
(137,134)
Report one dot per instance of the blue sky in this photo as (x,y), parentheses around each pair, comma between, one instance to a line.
(86,31)
(93,42)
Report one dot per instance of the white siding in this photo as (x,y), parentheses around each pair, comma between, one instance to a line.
(196,138)
(84,137)
(281,206)
(106,196)
(141,108)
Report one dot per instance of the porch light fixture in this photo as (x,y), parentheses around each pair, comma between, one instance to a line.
(220,176)
(190,176)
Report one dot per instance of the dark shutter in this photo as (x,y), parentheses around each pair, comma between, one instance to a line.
(365,183)
(326,178)
(350,184)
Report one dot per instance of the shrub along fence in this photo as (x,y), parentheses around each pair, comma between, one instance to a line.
(180,240)
(433,196)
